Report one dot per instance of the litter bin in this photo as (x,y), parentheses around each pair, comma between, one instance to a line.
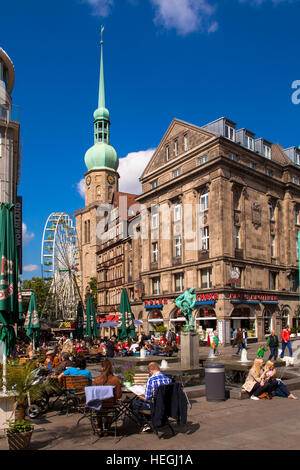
(215,381)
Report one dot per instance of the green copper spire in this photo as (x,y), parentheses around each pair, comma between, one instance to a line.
(101,155)
(101,112)
(101,100)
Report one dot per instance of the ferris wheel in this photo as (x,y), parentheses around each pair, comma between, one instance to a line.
(61,263)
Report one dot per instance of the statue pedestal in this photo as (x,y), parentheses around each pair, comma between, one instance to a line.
(189,343)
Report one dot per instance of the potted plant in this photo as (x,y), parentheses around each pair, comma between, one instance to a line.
(128,376)
(298,331)
(19,434)
(22,380)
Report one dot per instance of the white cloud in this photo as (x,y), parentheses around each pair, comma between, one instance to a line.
(81,188)
(130,169)
(30,268)
(100,7)
(185,16)
(26,236)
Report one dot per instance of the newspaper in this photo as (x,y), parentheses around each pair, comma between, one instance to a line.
(137,389)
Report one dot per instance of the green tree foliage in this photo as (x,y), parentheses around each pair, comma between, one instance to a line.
(93,290)
(41,289)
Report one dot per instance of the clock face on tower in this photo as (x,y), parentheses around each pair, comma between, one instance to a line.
(111,179)
(88,180)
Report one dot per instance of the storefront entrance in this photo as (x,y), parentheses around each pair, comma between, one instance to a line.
(206,322)
(155,319)
(177,321)
(242,317)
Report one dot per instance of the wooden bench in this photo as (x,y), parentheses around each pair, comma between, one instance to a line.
(140,378)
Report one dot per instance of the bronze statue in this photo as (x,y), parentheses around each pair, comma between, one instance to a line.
(186,303)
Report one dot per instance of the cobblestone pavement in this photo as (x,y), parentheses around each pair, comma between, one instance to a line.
(229,425)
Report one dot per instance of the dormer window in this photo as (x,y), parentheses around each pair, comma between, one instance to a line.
(252,165)
(167,153)
(201,160)
(267,152)
(249,142)
(229,132)
(154,184)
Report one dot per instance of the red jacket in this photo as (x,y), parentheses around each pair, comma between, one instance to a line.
(285,336)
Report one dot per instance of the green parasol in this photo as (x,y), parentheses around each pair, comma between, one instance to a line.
(79,322)
(126,327)
(10,286)
(32,321)
(90,316)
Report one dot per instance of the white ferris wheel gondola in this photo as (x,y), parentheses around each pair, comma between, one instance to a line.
(60,262)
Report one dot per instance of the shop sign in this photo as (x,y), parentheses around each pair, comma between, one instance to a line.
(245,296)
(208,296)
(156,302)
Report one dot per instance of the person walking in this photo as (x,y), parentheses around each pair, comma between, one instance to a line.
(272,344)
(234,333)
(216,341)
(285,337)
(239,340)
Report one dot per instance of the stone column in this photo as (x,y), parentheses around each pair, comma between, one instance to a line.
(189,349)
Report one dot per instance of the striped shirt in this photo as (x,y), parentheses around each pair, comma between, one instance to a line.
(155,381)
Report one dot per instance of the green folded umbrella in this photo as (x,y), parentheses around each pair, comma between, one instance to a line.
(126,326)
(10,286)
(32,321)
(90,317)
(79,321)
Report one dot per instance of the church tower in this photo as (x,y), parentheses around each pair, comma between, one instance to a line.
(101,160)
(101,182)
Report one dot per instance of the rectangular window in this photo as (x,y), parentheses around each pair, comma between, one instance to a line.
(154,184)
(201,160)
(272,246)
(177,212)
(154,217)
(155,252)
(205,238)
(176,148)
(206,278)
(297,215)
(272,280)
(236,238)
(155,285)
(269,172)
(252,165)
(295,180)
(167,153)
(294,282)
(178,244)
(186,144)
(233,157)
(179,282)
(229,132)
(176,173)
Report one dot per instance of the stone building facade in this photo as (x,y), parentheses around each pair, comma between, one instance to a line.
(10,153)
(231,204)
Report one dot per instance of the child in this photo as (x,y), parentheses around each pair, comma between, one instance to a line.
(261,351)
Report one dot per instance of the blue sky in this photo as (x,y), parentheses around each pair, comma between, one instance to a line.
(196,60)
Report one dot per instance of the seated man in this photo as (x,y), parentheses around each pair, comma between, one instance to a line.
(78,369)
(64,364)
(155,380)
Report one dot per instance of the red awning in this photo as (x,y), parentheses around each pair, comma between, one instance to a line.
(102,320)
(116,318)
(110,318)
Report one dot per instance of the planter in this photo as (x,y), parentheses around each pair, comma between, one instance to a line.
(18,441)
